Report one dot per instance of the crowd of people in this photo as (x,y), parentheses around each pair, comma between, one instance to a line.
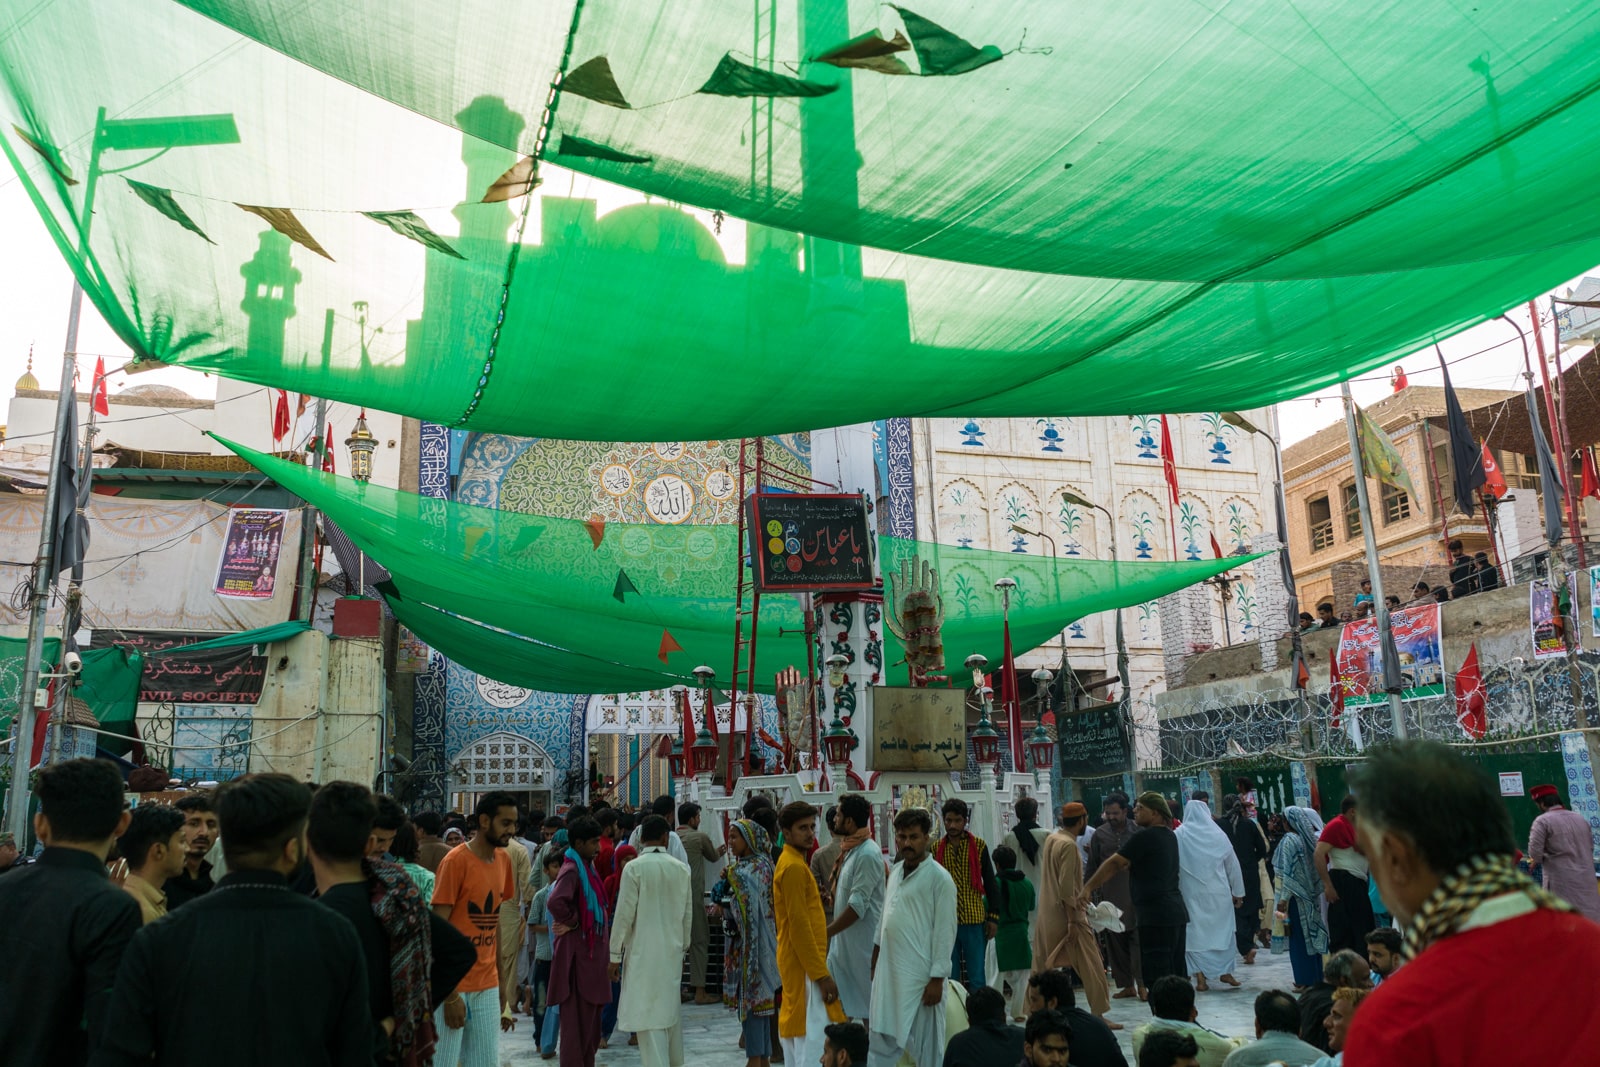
(270,923)
(1468,575)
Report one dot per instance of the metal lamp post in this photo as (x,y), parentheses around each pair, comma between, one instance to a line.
(1041,746)
(1126,696)
(838,740)
(158,134)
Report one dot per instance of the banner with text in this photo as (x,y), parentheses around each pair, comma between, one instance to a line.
(1417,640)
(212,676)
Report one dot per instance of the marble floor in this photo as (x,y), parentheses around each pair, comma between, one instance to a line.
(711,1033)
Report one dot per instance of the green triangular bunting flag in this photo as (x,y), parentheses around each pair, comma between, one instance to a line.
(624,587)
(48,153)
(941,52)
(409,224)
(577,146)
(161,200)
(594,81)
(870,52)
(733,78)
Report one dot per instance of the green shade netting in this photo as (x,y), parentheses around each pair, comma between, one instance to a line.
(262,635)
(109,684)
(544,582)
(1260,202)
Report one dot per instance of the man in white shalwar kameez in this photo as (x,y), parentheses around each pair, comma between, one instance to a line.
(649,935)
(856,888)
(1212,885)
(916,941)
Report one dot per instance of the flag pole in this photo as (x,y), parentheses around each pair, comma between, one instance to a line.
(1391,668)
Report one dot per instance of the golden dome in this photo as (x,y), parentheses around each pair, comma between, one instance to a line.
(28,381)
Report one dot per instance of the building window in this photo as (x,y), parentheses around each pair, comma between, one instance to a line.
(1321,518)
(1396,504)
(1352,510)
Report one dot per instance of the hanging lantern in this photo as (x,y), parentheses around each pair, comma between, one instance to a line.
(838,741)
(985,739)
(361,444)
(1041,748)
(675,757)
(704,753)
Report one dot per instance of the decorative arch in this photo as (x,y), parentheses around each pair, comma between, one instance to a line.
(1015,503)
(1194,527)
(501,761)
(1240,523)
(1077,527)
(1144,526)
(963,515)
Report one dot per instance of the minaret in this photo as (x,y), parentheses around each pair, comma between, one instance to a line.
(488,124)
(269,280)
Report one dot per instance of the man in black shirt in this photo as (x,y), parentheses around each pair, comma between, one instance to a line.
(1093,1043)
(988,1039)
(199,834)
(1151,859)
(342,817)
(65,923)
(291,986)
(1463,580)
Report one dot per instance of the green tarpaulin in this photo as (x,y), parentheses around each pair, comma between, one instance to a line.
(279,631)
(1093,208)
(457,569)
(109,684)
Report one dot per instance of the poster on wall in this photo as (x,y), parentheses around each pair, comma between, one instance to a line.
(918,729)
(1544,618)
(249,565)
(1417,641)
(1594,601)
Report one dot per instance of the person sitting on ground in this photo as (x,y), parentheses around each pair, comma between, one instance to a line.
(1172,1004)
(1326,619)
(153,848)
(1345,1002)
(1093,1043)
(1047,1040)
(1277,1040)
(1485,573)
(1344,969)
(1169,1048)
(987,1039)
(1518,964)
(1383,953)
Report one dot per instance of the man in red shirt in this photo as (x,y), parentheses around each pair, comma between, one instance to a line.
(1498,971)
(1343,870)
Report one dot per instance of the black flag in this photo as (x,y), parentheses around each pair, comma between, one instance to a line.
(72,494)
(1466,458)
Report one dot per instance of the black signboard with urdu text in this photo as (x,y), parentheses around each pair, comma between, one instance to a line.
(810,541)
(214,676)
(1091,743)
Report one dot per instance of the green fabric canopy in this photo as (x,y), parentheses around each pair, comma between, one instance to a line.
(261,635)
(1063,209)
(109,684)
(532,599)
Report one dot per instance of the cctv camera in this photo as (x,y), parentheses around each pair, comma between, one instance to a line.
(73,663)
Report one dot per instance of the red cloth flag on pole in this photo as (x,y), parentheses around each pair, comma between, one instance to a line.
(1302,675)
(1216,549)
(669,645)
(102,404)
(1494,482)
(1011,702)
(1169,467)
(1471,705)
(280,418)
(1590,486)
(327,451)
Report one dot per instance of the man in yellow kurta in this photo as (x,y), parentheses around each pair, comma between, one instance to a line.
(1061,934)
(809,993)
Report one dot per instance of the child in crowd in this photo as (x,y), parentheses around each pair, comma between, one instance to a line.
(1013,951)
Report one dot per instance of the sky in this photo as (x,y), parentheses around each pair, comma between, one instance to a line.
(35,291)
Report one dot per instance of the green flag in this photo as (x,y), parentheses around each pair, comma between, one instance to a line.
(624,586)
(161,199)
(409,224)
(1379,456)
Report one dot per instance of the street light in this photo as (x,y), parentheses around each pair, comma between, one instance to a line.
(1041,746)
(1125,698)
(110,135)
(985,739)
(838,740)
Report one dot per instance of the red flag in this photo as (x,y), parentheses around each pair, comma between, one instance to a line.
(1471,705)
(1216,549)
(1590,486)
(669,645)
(597,529)
(1335,689)
(102,404)
(1169,460)
(1302,675)
(1398,377)
(1011,702)
(686,717)
(1494,482)
(327,451)
(280,418)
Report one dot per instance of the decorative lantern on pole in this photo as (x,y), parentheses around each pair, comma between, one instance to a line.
(1041,746)
(675,753)
(361,444)
(838,740)
(704,751)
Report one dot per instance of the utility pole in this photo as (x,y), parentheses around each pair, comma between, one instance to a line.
(308,514)
(1391,666)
